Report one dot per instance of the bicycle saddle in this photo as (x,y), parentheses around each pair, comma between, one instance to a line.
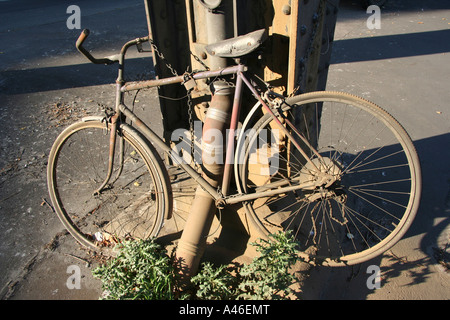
(238,46)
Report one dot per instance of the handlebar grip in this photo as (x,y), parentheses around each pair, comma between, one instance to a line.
(79,45)
(82,37)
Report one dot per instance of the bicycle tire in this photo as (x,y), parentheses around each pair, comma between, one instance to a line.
(364,212)
(133,204)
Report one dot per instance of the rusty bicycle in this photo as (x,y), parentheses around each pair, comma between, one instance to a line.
(336,169)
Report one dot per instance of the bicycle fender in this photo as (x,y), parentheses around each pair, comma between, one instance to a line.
(92,118)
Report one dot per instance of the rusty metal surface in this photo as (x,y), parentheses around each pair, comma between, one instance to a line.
(231,134)
(193,239)
(180,27)
(131,86)
(292,61)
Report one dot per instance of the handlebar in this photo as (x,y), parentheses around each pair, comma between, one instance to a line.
(107,60)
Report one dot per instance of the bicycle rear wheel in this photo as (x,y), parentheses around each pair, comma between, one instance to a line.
(134,202)
(375,191)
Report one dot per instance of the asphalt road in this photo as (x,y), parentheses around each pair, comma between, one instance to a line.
(45,84)
(404,67)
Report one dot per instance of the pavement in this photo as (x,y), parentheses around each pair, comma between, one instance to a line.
(404,68)
(45,85)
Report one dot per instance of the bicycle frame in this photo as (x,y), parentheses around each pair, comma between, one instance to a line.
(345,220)
(220,196)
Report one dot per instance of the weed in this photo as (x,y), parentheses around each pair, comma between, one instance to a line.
(143,270)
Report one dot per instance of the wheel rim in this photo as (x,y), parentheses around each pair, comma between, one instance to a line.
(127,208)
(368,208)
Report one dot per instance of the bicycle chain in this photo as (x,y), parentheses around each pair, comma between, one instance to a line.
(191,126)
(188,76)
(161,56)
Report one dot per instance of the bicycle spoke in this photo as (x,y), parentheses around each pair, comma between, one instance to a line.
(369,167)
(128,206)
(379,159)
(383,199)
(379,168)
(379,183)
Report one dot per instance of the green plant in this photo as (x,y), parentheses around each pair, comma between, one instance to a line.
(142,270)
(266,277)
(215,283)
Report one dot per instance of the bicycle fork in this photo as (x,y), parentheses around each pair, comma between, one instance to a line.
(112,150)
(114,120)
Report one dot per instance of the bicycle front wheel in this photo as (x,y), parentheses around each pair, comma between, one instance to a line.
(131,205)
(366,162)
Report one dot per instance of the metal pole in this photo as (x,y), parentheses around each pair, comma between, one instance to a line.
(193,239)
(180,28)
(216,28)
